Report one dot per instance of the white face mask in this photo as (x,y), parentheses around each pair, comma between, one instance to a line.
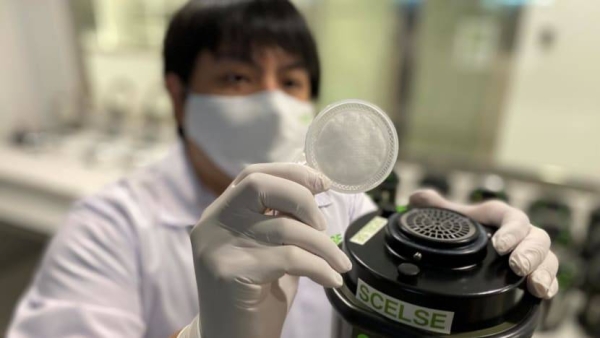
(236,131)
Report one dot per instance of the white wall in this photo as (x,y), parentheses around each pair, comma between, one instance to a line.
(359,47)
(15,91)
(552,117)
(38,61)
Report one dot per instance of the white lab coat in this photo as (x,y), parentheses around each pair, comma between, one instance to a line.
(122,265)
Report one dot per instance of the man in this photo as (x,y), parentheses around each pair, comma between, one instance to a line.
(241,76)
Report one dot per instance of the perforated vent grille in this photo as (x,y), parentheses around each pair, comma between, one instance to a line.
(438,225)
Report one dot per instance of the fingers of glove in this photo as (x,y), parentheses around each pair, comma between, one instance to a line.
(288,231)
(301,174)
(299,262)
(511,233)
(431,198)
(428,198)
(513,223)
(259,191)
(541,279)
(493,213)
(531,252)
(553,289)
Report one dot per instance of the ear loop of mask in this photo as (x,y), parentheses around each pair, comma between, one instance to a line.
(180,130)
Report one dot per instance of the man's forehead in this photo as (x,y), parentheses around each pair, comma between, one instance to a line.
(255,54)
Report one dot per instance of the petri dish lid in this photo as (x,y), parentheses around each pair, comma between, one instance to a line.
(353,143)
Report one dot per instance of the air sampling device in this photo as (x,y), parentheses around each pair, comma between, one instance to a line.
(428,272)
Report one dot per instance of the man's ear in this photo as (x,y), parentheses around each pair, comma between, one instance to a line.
(176,90)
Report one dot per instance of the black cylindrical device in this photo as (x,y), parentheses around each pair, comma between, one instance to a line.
(428,272)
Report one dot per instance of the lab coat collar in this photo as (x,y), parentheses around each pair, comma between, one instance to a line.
(184,198)
(323,199)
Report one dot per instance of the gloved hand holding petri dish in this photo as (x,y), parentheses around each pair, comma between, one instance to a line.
(354,144)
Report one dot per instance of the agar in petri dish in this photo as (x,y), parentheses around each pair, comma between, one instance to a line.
(353,143)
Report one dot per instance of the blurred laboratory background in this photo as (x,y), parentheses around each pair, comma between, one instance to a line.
(491,99)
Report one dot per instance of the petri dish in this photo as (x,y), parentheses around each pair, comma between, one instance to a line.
(354,143)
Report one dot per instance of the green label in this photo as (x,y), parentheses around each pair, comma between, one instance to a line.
(369,230)
(360,333)
(306,118)
(401,208)
(403,312)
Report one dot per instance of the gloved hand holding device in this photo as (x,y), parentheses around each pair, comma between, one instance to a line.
(248,259)
(530,245)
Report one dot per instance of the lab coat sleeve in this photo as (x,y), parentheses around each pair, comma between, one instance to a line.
(362,205)
(88,281)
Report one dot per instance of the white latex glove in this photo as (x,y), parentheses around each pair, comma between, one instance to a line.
(248,259)
(529,244)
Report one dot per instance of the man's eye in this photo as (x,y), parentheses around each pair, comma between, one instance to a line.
(292,84)
(236,78)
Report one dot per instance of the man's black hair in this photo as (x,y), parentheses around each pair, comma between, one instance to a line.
(239,26)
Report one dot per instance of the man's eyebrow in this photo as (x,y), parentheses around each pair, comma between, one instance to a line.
(235,57)
(293,65)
